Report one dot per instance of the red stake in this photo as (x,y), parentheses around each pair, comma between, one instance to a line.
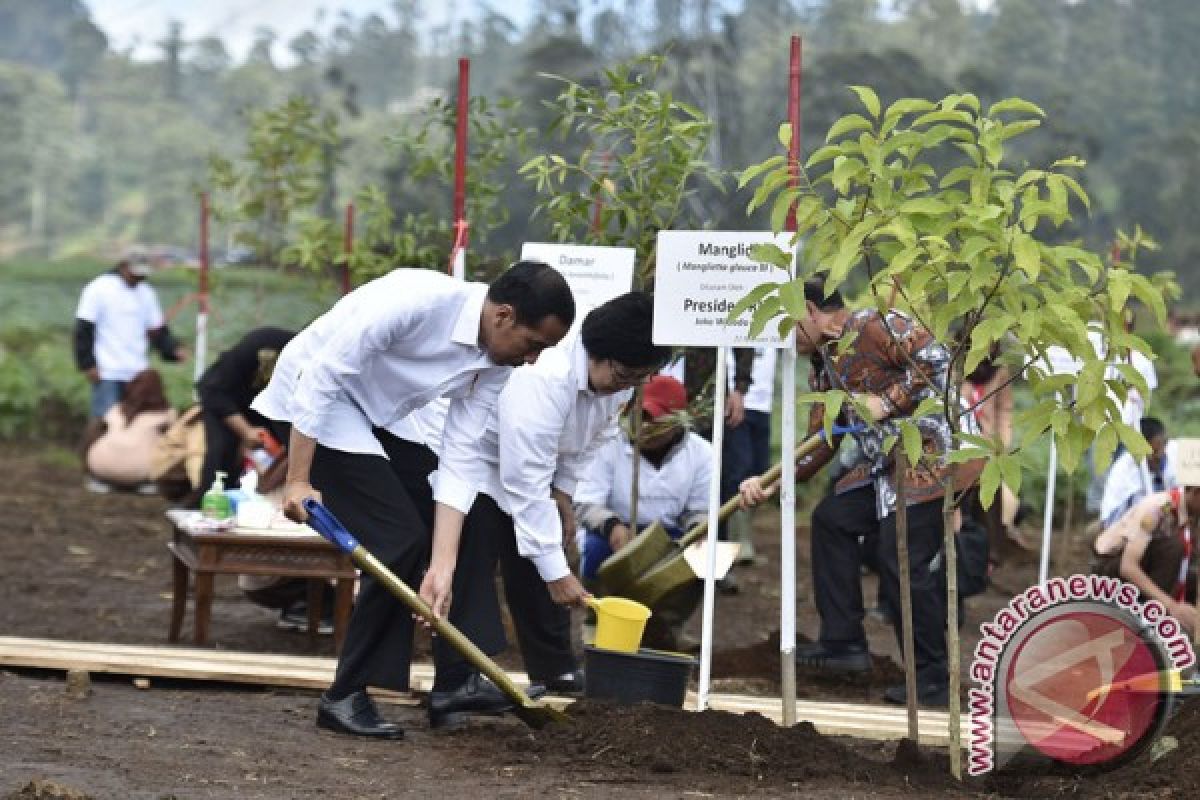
(460,160)
(794,119)
(348,247)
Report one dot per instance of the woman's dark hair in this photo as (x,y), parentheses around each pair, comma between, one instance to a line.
(621,330)
(535,291)
(814,292)
(144,393)
(1151,427)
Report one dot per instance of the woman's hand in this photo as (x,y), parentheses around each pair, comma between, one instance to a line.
(436,590)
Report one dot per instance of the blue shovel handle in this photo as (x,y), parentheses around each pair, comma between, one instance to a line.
(838,430)
(322,520)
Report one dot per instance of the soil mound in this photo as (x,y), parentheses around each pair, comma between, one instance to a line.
(47,790)
(656,739)
(1174,773)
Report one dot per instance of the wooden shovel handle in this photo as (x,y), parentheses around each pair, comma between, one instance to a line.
(768,479)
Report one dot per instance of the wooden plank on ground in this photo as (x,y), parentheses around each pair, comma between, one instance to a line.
(312,672)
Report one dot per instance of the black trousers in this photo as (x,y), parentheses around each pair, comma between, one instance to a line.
(837,524)
(388,505)
(223,448)
(543,627)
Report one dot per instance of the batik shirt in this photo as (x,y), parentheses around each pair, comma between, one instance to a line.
(903,368)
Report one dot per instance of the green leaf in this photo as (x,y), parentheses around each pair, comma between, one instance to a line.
(1010,469)
(868,98)
(785,136)
(909,105)
(989,482)
(848,123)
(752,298)
(1027,254)
(911,436)
(1015,105)
(791,298)
(924,205)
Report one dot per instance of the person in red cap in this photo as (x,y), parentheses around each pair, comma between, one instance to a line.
(672,490)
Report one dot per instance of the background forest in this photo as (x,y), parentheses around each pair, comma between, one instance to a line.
(99,151)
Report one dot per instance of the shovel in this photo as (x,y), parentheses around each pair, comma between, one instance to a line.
(632,566)
(532,713)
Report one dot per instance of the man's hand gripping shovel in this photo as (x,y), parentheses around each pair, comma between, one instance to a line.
(532,713)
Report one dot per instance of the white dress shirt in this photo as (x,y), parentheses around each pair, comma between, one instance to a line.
(541,434)
(385,350)
(674,494)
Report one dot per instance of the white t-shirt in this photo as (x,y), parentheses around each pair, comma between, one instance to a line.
(761,394)
(122,315)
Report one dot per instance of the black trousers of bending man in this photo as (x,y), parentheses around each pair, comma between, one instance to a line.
(387,503)
(543,627)
(837,524)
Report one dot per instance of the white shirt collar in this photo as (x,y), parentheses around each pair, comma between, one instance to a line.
(466,327)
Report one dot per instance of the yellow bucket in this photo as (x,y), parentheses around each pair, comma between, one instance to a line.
(619,623)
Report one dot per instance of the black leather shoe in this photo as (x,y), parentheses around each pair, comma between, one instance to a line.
(569,683)
(357,715)
(477,695)
(934,695)
(834,657)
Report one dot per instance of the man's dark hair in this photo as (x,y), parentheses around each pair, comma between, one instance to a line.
(1151,427)
(620,330)
(535,291)
(814,292)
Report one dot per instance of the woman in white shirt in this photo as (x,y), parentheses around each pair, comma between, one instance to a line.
(535,446)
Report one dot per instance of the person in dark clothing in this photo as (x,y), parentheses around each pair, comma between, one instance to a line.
(226,390)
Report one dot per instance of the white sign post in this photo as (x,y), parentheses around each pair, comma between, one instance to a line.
(699,277)
(595,274)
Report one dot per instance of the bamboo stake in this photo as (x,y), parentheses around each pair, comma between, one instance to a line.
(953,644)
(1066,544)
(906,621)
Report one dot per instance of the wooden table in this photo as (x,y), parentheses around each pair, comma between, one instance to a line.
(238,552)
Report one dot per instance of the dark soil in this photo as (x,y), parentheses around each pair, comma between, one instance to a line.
(75,565)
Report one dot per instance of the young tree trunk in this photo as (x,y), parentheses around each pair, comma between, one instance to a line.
(953,645)
(1066,545)
(906,622)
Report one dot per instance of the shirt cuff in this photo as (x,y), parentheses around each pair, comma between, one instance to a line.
(552,566)
(450,490)
(565,484)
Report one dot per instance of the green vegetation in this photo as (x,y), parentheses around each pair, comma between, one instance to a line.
(43,395)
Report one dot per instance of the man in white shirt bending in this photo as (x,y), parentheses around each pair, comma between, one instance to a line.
(673,479)
(385,350)
(117,315)
(534,447)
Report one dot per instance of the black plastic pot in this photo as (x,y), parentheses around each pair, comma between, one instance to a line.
(647,676)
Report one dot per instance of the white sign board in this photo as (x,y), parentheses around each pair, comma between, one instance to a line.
(1187,464)
(595,274)
(700,276)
